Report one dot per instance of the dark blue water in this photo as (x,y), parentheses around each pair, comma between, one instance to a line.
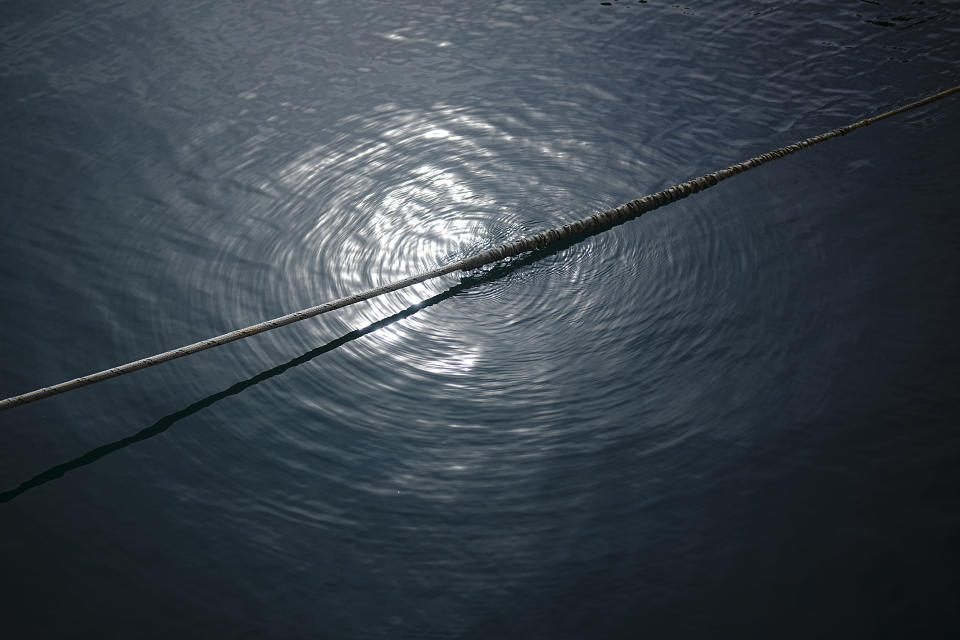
(734,416)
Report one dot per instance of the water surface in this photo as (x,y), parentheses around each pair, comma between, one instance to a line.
(733,416)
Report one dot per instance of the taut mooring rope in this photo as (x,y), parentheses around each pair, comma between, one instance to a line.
(595,222)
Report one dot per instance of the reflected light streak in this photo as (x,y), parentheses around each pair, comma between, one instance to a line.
(396,202)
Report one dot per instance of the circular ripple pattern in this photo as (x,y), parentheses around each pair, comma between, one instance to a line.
(393,193)
(400,191)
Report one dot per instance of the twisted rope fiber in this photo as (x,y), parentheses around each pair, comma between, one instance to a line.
(597,221)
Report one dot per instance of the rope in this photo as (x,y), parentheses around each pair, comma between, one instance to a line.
(597,221)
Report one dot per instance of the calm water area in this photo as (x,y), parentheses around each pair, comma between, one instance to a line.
(735,416)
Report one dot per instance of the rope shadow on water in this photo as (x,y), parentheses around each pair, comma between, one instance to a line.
(467,282)
(526,251)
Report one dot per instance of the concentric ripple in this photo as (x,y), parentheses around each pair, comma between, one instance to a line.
(397,191)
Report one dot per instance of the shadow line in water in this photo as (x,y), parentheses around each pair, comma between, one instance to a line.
(467,282)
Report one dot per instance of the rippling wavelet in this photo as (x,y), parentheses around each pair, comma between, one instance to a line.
(396,191)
